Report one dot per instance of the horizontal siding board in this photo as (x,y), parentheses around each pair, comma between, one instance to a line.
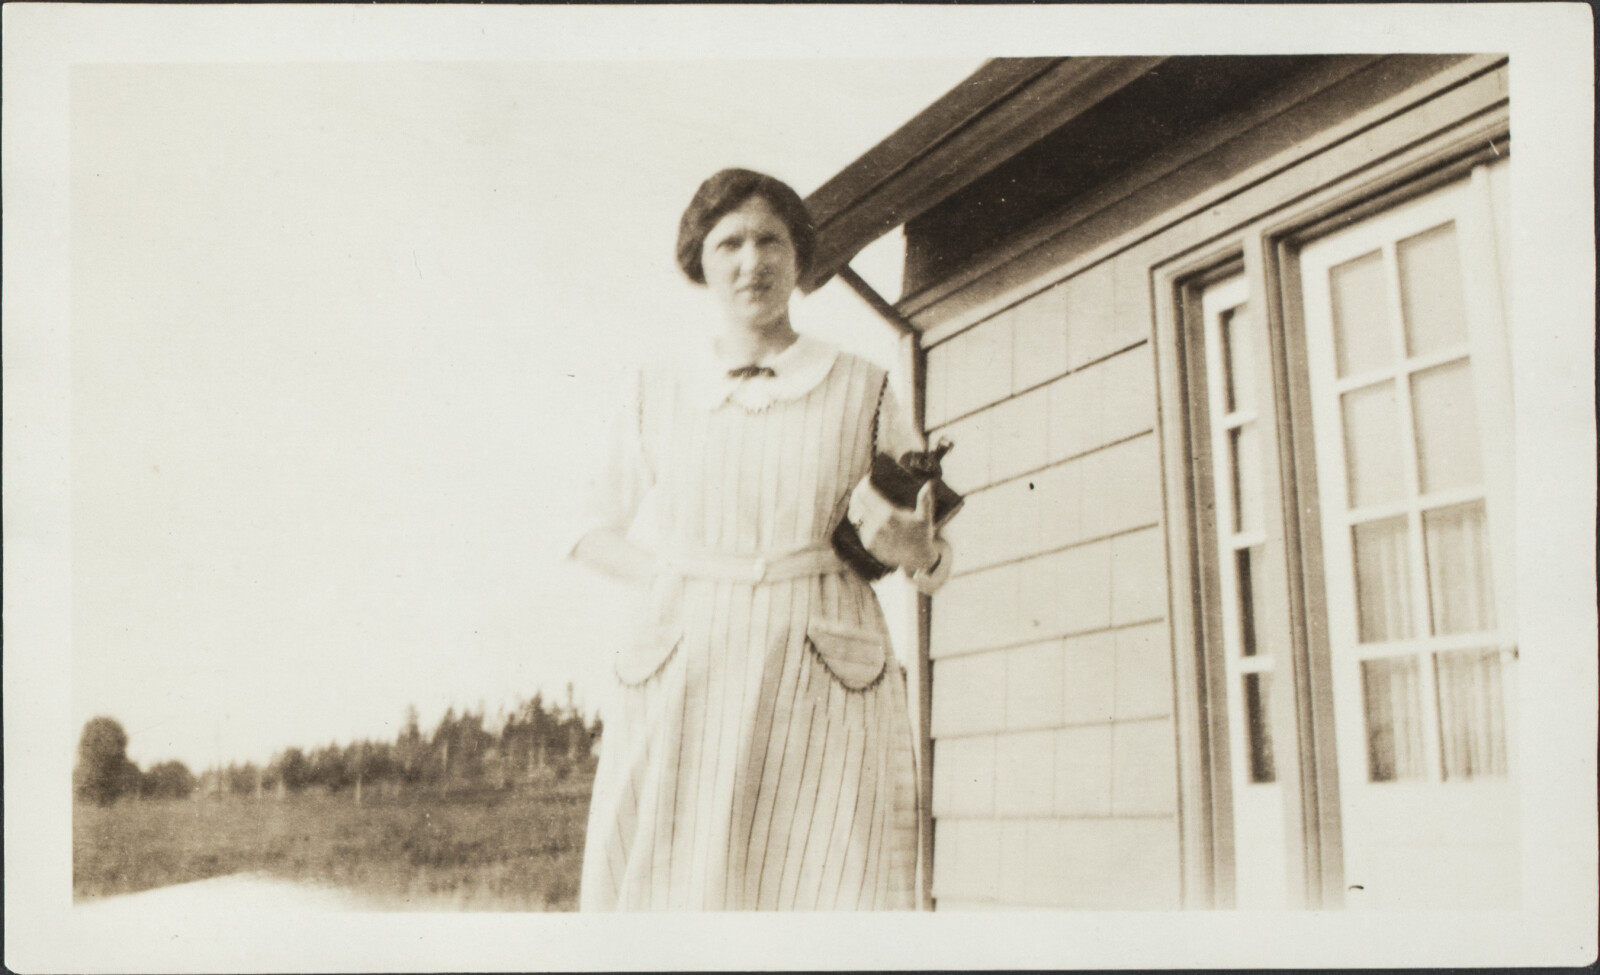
(1024,774)
(1088,678)
(1056,507)
(976,612)
(1073,415)
(1090,299)
(1075,864)
(1080,585)
(1105,864)
(1058,493)
(1039,339)
(963,777)
(1138,576)
(1082,785)
(1018,430)
(975,368)
(1143,672)
(1014,858)
(1121,487)
(966,860)
(1128,394)
(1144,768)
(1033,681)
(969,695)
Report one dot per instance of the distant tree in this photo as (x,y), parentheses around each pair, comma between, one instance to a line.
(243,780)
(328,768)
(292,769)
(410,750)
(460,744)
(167,780)
(104,772)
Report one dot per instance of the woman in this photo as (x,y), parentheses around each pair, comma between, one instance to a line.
(759,754)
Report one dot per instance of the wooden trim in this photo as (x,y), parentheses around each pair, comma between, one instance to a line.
(1205,808)
(1427,167)
(994,81)
(1291,706)
(1308,591)
(972,146)
(1081,239)
(1143,174)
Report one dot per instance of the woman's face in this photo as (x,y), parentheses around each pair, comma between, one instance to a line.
(750,265)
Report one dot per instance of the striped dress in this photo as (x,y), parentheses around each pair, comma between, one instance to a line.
(758,751)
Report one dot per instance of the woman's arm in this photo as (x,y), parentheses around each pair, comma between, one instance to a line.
(612,496)
(908,539)
(609,551)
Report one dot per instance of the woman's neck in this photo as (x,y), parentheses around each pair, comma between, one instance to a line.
(741,343)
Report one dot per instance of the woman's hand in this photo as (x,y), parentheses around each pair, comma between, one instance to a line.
(896,536)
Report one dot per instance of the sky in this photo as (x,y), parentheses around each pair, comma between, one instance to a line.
(343,340)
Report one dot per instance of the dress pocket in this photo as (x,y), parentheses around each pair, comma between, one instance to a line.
(855,656)
(655,635)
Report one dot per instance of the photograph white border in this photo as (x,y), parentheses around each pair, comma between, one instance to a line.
(1551,62)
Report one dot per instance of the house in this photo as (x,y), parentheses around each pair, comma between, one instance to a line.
(1222,346)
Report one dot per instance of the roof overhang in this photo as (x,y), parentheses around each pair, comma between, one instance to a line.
(999,110)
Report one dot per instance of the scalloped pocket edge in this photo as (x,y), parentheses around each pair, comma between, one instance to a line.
(642,661)
(857,658)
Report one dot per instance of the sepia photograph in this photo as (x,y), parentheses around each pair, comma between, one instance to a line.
(528,488)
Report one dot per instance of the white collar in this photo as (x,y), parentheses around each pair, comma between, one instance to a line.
(798,370)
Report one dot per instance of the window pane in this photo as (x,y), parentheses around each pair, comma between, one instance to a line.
(1383,584)
(1448,454)
(1238,384)
(1257,692)
(1472,716)
(1394,718)
(1243,446)
(1430,290)
(1373,459)
(1360,325)
(1460,582)
(1248,569)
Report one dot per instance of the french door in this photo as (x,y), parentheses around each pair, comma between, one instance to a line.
(1409,379)
(1239,408)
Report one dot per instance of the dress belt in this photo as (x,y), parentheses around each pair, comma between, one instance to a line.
(816,559)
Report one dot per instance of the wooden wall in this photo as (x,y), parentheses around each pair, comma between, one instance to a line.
(1056,777)
(1054,781)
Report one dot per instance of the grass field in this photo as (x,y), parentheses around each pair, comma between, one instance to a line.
(483,851)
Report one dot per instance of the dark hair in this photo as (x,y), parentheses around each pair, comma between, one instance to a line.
(727,191)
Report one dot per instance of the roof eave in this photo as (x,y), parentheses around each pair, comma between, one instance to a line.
(999,110)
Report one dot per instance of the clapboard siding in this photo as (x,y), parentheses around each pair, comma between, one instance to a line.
(1054,695)
(1054,770)
(1100,864)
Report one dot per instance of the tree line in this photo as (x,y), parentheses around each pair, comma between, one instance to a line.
(535,742)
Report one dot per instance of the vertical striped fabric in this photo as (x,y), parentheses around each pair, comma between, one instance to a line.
(737,771)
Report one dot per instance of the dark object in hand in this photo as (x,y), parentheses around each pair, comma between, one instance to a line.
(900,481)
(847,543)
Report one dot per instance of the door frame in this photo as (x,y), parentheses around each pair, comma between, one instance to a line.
(1267,248)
